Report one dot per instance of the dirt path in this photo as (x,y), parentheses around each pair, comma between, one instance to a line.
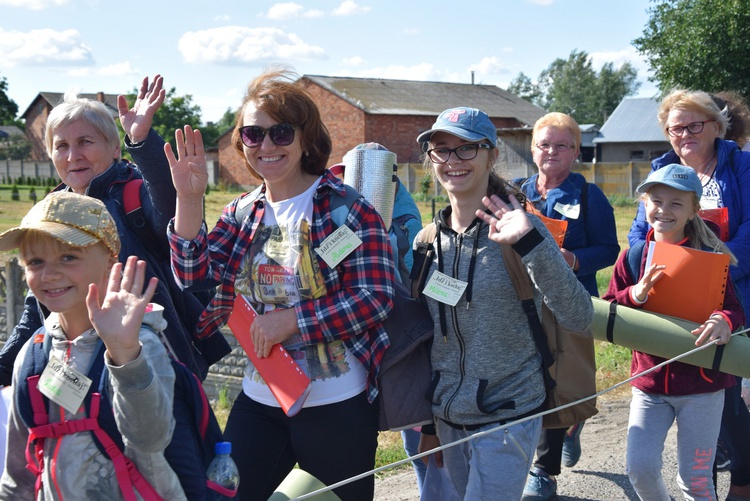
(598,476)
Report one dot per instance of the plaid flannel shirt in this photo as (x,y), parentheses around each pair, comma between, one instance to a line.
(359,290)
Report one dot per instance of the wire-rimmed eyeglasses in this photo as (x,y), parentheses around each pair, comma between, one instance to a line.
(559,147)
(463,152)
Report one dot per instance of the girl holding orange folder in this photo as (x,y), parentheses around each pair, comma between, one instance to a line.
(689,395)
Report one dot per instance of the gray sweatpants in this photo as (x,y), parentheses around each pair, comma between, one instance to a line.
(698,420)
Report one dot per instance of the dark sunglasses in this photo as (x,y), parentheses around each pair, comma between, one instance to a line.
(281,134)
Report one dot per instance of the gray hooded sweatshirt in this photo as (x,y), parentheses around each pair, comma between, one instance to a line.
(142,392)
(485,365)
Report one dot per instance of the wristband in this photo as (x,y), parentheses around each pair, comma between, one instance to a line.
(575,261)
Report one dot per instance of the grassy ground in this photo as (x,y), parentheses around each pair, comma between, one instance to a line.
(613,362)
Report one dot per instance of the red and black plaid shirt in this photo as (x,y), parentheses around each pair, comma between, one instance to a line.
(360,289)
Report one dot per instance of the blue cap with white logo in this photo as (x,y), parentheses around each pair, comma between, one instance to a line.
(675,176)
(467,123)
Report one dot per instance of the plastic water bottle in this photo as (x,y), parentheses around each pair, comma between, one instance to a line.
(223,472)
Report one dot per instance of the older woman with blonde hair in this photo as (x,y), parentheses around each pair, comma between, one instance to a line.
(589,244)
(695,126)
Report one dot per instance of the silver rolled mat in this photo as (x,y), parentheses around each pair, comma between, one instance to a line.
(371,173)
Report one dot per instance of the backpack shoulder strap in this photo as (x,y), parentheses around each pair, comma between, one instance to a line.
(245,203)
(525,292)
(634,256)
(340,206)
(31,404)
(423,256)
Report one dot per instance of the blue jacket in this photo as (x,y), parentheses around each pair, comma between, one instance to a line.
(407,213)
(592,236)
(733,176)
(158,197)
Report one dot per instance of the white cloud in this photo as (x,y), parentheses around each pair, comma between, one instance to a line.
(239,44)
(350,8)
(113,70)
(34,4)
(353,61)
(222,18)
(44,47)
(629,55)
(541,2)
(290,10)
(490,66)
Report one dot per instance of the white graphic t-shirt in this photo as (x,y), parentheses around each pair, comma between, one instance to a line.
(279,270)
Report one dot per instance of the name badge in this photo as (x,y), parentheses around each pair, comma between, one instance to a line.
(444,288)
(569,211)
(64,385)
(338,245)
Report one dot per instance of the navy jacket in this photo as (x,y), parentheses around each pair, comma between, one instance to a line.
(592,236)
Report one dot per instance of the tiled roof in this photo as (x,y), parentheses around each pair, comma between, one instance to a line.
(55,98)
(407,97)
(633,121)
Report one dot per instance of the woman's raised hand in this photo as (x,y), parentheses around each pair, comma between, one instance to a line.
(508,223)
(136,121)
(189,171)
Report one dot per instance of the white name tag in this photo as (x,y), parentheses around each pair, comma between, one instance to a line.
(444,288)
(709,202)
(64,385)
(569,211)
(338,245)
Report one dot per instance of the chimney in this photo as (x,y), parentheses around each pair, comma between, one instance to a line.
(472,77)
(100,97)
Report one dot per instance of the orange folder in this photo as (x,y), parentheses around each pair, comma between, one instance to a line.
(288,383)
(693,284)
(719,217)
(557,227)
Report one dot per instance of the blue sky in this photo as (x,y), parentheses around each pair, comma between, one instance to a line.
(211,50)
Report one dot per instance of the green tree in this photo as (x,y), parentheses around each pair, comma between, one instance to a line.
(523,87)
(698,44)
(15,148)
(8,107)
(175,113)
(574,87)
(212,131)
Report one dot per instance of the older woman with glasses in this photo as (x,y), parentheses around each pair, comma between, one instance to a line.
(324,299)
(486,368)
(695,127)
(589,244)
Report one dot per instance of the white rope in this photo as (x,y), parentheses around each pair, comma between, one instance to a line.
(506,425)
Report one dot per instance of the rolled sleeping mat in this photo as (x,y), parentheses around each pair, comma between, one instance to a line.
(370,169)
(667,337)
(298,483)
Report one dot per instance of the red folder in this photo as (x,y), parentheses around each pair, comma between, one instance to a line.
(693,284)
(288,383)
(719,217)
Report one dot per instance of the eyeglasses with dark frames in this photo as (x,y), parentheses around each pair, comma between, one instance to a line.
(560,147)
(281,134)
(463,152)
(693,128)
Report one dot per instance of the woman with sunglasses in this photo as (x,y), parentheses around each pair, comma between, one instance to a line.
(486,368)
(268,246)
(695,127)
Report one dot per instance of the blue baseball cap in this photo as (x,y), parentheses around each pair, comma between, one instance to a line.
(675,176)
(467,123)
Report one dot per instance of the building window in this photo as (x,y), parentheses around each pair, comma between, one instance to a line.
(636,155)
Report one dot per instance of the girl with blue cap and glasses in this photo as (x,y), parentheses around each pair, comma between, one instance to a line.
(486,368)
